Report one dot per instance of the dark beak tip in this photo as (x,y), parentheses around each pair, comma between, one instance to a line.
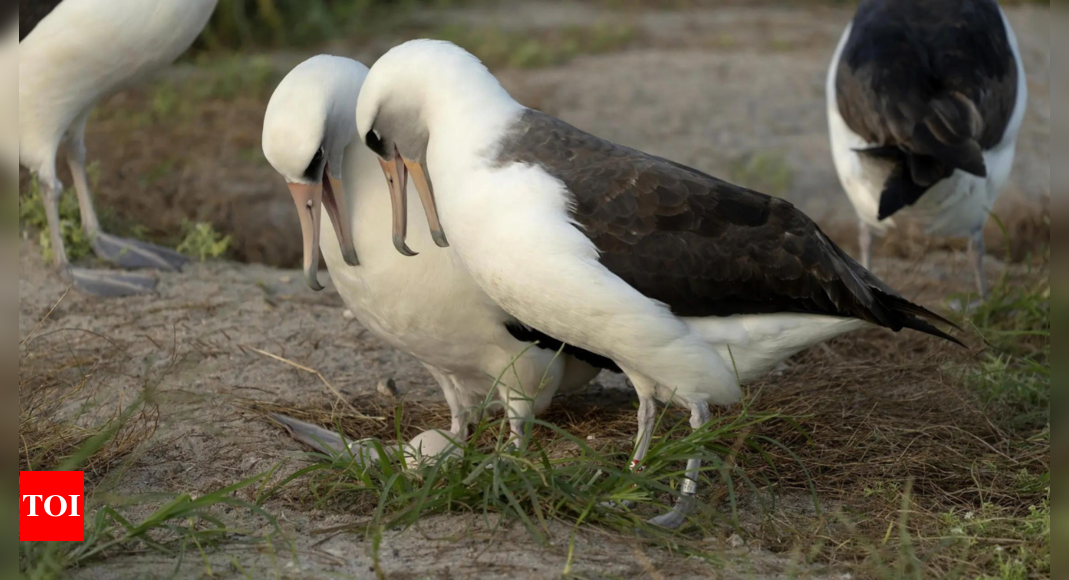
(350,257)
(440,239)
(402,247)
(313,282)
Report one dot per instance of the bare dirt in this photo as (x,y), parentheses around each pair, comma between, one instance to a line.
(714,88)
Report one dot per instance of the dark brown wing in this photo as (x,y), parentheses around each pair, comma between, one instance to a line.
(931,85)
(702,246)
(32,12)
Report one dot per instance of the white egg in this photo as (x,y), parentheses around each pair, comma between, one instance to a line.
(431,446)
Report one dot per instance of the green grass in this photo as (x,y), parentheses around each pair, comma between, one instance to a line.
(1013,374)
(1007,536)
(767,172)
(32,217)
(521,49)
(199,239)
(243,24)
(556,477)
(180,526)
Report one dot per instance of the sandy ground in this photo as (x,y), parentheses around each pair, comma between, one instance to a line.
(711,88)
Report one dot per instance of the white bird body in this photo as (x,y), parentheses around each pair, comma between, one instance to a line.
(85,50)
(579,238)
(924,101)
(80,52)
(427,305)
(501,213)
(956,206)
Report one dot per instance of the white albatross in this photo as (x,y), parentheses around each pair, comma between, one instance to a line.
(688,283)
(426,305)
(924,103)
(72,53)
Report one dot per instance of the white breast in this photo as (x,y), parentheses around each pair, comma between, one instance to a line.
(426,305)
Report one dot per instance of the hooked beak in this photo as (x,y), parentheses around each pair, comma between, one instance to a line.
(396,173)
(310,200)
(397,180)
(426,197)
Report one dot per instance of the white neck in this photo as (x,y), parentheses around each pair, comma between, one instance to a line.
(466,110)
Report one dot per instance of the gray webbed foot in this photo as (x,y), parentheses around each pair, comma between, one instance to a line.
(135,254)
(327,441)
(112,283)
(675,518)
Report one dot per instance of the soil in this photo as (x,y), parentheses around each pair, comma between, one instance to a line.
(712,88)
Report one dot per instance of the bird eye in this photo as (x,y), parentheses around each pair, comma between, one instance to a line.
(374,142)
(315,168)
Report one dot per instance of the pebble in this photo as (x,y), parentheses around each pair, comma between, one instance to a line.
(387,388)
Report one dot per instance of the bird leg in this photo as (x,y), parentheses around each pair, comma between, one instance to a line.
(699,415)
(864,241)
(520,409)
(459,412)
(101,283)
(977,251)
(647,416)
(51,191)
(123,252)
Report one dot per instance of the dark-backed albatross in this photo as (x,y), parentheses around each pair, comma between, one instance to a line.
(72,53)
(688,283)
(426,305)
(925,99)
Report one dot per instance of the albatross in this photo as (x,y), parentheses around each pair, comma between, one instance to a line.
(689,284)
(72,53)
(924,103)
(426,305)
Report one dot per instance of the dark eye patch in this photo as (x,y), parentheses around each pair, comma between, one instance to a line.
(375,143)
(315,168)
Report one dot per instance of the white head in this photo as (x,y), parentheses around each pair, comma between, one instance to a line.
(308,124)
(407,90)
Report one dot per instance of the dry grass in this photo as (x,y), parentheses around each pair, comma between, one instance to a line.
(62,424)
(905,454)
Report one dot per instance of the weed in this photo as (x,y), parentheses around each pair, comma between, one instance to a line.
(1013,375)
(59,430)
(767,172)
(201,241)
(76,241)
(500,47)
(32,216)
(230,76)
(238,24)
(157,172)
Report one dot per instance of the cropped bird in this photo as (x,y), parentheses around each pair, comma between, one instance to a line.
(73,53)
(925,99)
(688,283)
(426,305)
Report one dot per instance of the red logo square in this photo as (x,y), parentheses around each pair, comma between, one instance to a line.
(52,506)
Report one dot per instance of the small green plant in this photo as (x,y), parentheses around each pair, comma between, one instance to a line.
(500,47)
(767,172)
(32,217)
(231,76)
(201,241)
(1013,377)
